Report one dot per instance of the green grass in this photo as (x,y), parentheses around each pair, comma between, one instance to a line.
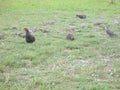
(90,62)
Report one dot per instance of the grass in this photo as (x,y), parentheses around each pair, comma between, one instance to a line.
(90,62)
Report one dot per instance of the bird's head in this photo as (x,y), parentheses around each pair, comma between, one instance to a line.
(26,29)
(77,15)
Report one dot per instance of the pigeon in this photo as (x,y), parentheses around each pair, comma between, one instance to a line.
(34,29)
(15,27)
(29,38)
(82,25)
(116,23)
(109,32)
(72,27)
(97,24)
(70,37)
(20,34)
(82,16)
(112,1)
(44,30)
(51,22)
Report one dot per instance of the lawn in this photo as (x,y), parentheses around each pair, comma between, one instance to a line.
(90,62)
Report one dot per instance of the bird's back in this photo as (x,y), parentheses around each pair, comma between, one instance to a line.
(30,38)
(109,32)
(70,37)
(81,16)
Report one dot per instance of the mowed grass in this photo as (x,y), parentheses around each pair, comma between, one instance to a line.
(90,62)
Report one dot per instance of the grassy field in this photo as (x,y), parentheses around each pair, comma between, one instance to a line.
(90,62)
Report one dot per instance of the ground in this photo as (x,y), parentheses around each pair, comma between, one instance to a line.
(90,62)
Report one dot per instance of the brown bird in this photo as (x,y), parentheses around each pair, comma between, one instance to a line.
(29,38)
(109,32)
(70,37)
(82,16)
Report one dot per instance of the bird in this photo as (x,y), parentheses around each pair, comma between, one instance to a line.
(72,27)
(109,32)
(116,23)
(20,34)
(51,22)
(112,1)
(82,16)
(15,27)
(82,25)
(70,37)
(34,29)
(29,38)
(44,30)
(97,24)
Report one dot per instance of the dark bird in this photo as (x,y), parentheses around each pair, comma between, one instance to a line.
(82,16)
(70,37)
(97,24)
(109,32)
(29,38)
